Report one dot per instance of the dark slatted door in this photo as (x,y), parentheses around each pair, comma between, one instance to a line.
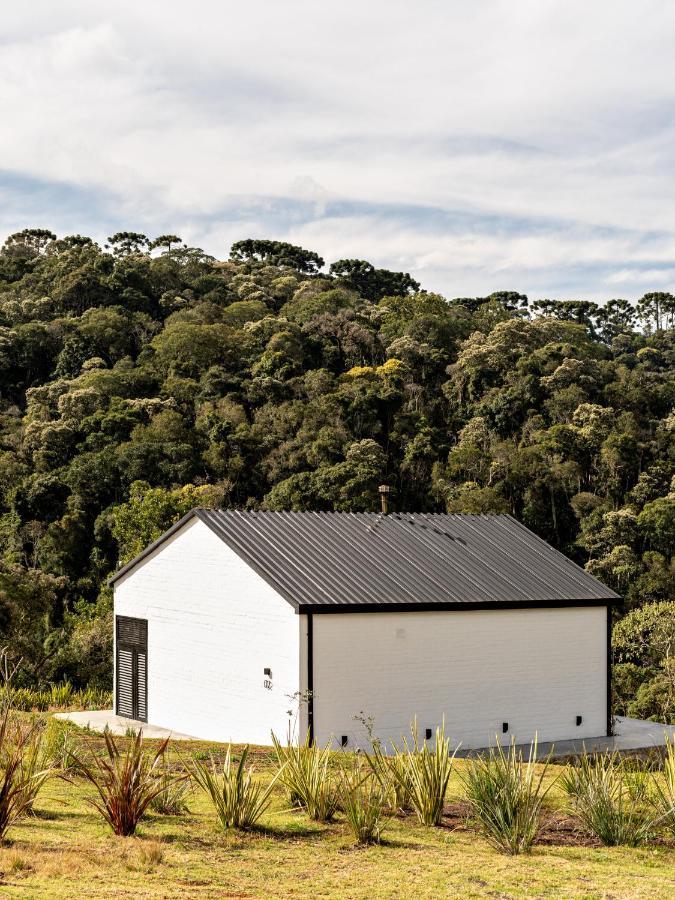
(132,668)
(141,685)
(125,682)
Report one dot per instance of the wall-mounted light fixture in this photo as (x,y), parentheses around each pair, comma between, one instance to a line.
(268,673)
(580,719)
(505,727)
(427,734)
(344,740)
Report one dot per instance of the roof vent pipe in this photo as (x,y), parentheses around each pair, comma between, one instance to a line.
(384,497)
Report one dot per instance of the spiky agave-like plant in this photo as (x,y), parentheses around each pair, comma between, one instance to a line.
(424,774)
(126,781)
(506,794)
(306,773)
(663,795)
(238,800)
(363,802)
(604,796)
(176,788)
(20,780)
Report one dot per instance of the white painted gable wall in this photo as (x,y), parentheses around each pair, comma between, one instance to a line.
(213,627)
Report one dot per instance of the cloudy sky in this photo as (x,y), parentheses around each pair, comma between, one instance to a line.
(502,144)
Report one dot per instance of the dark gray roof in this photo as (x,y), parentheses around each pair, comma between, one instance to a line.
(358,561)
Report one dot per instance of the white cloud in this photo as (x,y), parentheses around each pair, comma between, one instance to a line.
(496,144)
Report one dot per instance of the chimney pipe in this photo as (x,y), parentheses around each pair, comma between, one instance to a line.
(384,497)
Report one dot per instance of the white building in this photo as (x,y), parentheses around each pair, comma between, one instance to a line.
(233,620)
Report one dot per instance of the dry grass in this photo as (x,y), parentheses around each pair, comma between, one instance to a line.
(68,851)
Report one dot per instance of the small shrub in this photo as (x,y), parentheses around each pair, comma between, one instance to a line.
(151,854)
(363,801)
(238,800)
(425,774)
(93,698)
(143,856)
(176,786)
(605,798)
(126,781)
(305,772)
(505,795)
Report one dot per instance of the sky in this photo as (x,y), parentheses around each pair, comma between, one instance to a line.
(524,145)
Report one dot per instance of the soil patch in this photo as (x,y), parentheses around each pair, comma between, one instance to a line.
(558,828)
(565,830)
(456,816)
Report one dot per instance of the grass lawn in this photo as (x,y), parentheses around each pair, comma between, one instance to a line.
(67,851)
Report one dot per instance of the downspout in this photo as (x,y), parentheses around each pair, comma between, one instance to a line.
(609,670)
(310,677)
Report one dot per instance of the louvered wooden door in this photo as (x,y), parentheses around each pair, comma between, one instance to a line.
(132,668)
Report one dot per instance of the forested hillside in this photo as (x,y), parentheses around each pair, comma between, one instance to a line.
(143,378)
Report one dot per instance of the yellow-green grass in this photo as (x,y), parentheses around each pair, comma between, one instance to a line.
(67,851)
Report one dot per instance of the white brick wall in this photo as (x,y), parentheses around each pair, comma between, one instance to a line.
(535,669)
(213,626)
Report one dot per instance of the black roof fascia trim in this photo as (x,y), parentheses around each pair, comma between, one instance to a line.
(452,606)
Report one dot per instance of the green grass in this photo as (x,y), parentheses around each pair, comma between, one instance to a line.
(68,851)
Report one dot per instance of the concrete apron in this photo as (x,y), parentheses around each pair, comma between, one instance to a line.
(630,734)
(100,719)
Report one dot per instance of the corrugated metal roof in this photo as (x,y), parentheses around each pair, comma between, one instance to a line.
(324,561)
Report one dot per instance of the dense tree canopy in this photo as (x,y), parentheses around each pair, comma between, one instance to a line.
(142,378)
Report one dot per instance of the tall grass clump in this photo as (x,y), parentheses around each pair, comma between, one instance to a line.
(424,774)
(61,694)
(20,776)
(505,795)
(172,800)
(363,803)
(126,781)
(58,744)
(306,774)
(393,775)
(58,696)
(37,766)
(29,700)
(663,796)
(610,802)
(238,800)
